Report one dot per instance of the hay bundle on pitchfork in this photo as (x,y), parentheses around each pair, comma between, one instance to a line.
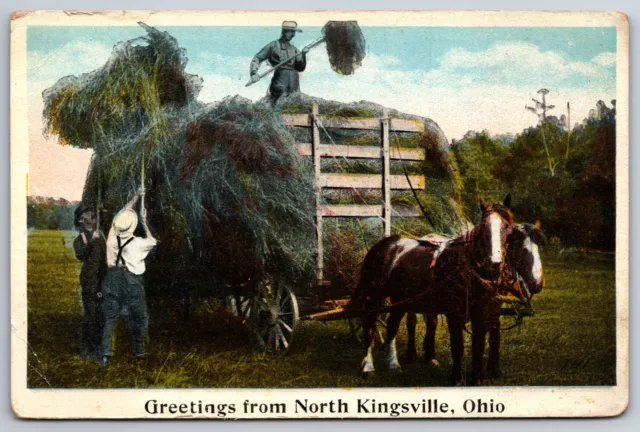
(346,48)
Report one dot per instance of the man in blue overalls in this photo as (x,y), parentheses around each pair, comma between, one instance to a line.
(285,79)
(122,286)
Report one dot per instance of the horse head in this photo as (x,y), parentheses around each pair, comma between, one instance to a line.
(524,257)
(490,249)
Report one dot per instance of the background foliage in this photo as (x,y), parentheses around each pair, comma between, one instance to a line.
(570,188)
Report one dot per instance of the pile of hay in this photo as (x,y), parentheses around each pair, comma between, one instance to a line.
(228,195)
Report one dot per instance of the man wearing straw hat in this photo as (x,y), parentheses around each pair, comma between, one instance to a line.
(122,286)
(285,78)
(90,248)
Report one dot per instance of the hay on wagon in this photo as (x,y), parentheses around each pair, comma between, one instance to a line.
(229,197)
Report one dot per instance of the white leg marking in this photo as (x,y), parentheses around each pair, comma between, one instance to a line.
(495,222)
(367,362)
(536,270)
(392,356)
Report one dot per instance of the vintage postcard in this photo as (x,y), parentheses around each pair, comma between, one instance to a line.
(241,215)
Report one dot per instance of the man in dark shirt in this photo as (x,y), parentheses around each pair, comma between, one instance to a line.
(90,248)
(285,79)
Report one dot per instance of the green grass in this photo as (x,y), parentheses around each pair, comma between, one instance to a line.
(574,322)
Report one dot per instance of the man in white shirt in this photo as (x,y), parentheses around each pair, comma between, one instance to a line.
(123,285)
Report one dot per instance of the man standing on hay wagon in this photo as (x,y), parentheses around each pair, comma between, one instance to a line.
(285,78)
(90,248)
(122,286)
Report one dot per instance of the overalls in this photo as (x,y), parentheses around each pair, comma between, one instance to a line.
(123,294)
(93,259)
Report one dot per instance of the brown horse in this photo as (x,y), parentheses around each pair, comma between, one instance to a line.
(459,278)
(523,278)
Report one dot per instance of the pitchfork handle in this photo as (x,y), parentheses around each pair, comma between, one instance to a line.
(282,63)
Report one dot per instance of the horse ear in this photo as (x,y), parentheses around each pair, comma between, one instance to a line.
(507,201)
(483,205)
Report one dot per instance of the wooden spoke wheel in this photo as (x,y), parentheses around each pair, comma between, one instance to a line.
(240,306)
(274,316)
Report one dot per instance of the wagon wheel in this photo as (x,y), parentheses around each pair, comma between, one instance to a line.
(240,306)
(274,316)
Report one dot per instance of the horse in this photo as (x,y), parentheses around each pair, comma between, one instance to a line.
(524,278)
(458,278)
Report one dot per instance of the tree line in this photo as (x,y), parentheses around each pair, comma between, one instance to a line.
(559,174)
(50,213)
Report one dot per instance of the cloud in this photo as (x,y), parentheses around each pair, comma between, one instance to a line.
(513,63)
(607,59)
(70,59)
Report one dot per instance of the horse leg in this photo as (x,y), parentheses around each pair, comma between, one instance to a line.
(457,348)
(431,321)
(493,364)
(478,341)
(412,321)
(393,324)
(368,330)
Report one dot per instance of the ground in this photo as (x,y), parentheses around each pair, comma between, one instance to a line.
(570,341)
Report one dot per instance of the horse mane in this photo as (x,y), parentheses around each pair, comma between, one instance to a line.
(503,211)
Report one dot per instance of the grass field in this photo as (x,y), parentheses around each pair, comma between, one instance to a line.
(570,341)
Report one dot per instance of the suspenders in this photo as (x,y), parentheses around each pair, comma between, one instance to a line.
(120,249)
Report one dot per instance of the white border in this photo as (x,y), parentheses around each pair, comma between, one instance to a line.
(520,402)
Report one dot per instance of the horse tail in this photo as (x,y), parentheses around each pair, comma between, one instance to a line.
(373,274)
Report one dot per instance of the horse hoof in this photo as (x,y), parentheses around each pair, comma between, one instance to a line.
(395,370)
(411,356)
(366,374)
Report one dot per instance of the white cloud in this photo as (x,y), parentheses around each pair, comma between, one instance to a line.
(70,59)
(605,59)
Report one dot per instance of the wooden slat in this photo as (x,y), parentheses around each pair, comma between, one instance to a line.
(352,211)
(367,211)
(361,152)
(369,181)
(315,144)
(386,174)
(402,125)
(397,125)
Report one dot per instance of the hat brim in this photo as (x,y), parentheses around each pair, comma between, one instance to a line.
(80,210)
(291,29)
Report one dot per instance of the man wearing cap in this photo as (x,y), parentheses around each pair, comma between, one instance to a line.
(122,286)
(285,79)
(90,248)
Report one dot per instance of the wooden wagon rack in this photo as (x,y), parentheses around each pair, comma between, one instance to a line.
(384,181)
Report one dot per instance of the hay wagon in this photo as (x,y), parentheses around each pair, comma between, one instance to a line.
(275,309)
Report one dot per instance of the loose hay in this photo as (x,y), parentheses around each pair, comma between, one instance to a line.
(228,195)
(346,46)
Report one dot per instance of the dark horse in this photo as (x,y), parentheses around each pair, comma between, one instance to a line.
(523,278)
(459,279)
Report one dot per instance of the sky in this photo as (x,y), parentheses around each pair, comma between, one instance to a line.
(463,78)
